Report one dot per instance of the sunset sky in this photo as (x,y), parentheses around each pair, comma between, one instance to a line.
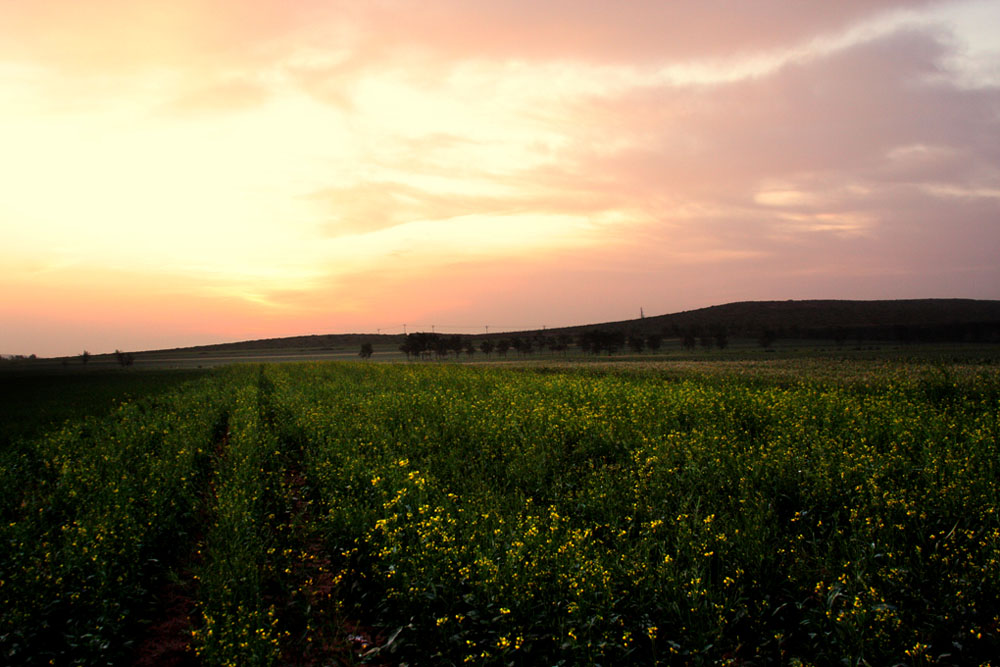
(184,172)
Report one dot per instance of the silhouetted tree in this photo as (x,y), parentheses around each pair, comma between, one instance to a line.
(599,340)
(366,351)
(502,347)
(689,341)
(420,343)
(487,347)
(654,342)
(522,346)
(721,339)
(636,343)
(85,357)
(124,358)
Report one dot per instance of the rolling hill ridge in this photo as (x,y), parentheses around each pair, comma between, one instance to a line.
(908,319)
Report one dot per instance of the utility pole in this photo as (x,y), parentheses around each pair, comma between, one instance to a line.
(404,329)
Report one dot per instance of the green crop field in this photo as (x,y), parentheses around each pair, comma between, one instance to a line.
(809,511)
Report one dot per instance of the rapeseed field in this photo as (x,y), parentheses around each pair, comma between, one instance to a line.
(332,513)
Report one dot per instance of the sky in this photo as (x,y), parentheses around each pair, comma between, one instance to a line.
(186,172)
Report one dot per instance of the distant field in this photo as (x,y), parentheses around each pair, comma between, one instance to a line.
(388,351)
(702,510)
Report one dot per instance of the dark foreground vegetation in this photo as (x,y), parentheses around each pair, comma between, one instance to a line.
(693,513)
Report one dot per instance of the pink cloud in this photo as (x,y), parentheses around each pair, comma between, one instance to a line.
(839,129)
(823,122)
(123,36)
(595,32)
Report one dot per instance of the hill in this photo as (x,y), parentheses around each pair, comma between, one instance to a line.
(911,319)
(320,342)
(922,319)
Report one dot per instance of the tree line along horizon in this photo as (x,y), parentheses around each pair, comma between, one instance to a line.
(613,341)
(603,339)
(422,344)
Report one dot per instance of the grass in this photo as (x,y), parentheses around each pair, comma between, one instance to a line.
(746,512)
